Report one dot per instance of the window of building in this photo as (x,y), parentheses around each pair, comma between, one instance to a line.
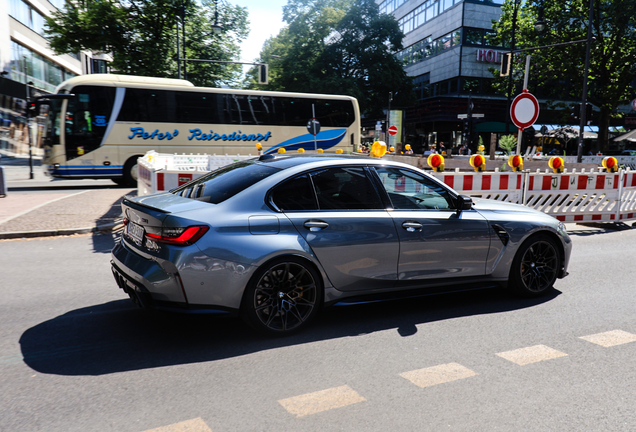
(428,47)
(27,15)
(27,65)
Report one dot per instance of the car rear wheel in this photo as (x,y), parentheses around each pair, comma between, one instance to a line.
(282,297)
(535,267)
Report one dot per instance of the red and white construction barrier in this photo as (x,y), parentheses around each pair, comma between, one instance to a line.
(157,172)
(568,196)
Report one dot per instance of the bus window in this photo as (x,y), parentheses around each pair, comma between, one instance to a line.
(195,107)
(148,105)
(86,119)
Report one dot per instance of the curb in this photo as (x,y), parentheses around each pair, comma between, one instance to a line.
(109,227)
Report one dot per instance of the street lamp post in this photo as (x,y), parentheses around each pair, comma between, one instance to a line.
(28,121)
(388,119)
(588,47)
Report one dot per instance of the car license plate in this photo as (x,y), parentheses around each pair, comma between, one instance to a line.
(135,232)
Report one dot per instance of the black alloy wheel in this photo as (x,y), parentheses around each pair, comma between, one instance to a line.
(282,297)
(535,267)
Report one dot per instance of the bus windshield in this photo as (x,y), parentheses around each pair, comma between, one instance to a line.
(53,122)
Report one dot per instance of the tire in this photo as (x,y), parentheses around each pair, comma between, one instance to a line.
(130,172)
(282,297)
(535,267)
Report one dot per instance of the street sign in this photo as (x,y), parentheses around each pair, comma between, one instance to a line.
(393,130)
(313,126)
(465,116)
(524,110)
(634,104)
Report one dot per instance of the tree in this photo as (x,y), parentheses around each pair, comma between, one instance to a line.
(339,47)
(558,72)
(142,36)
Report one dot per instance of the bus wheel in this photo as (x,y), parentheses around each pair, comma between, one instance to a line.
(130,172)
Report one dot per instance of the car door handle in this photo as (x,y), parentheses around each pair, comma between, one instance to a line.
(412,226)
(315,225)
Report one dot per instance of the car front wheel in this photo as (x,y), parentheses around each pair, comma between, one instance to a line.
(282,297)
(535,267)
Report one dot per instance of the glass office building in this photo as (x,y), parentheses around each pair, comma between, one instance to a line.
(29,68)
(449,52)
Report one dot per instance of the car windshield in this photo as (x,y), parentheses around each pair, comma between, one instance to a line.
(225,182)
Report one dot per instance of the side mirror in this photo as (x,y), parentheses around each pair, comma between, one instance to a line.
(463,203)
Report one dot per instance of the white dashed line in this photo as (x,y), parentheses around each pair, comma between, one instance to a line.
(610,338)
(533,354)
(324,400)
(438,374)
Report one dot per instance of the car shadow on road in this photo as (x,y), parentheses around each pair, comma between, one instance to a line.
(118,337)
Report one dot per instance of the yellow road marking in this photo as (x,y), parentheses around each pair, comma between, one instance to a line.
(312,403)
(610,338)
(438,374)
(194,425)
(533,354)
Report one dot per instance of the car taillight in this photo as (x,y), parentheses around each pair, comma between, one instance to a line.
(179,236)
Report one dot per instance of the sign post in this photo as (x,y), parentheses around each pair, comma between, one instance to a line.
(313,126)
(524,111)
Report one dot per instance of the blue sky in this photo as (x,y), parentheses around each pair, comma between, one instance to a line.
(266,20)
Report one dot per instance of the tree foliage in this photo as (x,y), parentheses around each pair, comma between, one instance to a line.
(141,36)
(559,71)
(339,47)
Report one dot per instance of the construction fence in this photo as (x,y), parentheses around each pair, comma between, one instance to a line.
(584,196)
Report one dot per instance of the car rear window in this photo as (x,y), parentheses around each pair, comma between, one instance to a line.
(225,182)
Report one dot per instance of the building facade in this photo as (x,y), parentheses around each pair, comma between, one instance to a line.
(449,53)
(29,68)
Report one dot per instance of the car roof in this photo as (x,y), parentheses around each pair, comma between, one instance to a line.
(284,161)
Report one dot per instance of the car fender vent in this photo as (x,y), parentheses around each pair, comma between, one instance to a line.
(501,233)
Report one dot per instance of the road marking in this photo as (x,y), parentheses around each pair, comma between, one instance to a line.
(533,354)
(610,338)
(438,374)
(194,425)
(324,400)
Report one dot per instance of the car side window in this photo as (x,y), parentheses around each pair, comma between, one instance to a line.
(295,194)
(412,191)
(345,188)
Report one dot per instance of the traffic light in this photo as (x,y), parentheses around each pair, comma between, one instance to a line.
(263,74)
(32,108)
(506,60)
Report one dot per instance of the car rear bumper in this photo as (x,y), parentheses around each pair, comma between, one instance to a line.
(151,286)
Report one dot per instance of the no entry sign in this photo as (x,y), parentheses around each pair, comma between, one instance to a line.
(524,110)
(393,130)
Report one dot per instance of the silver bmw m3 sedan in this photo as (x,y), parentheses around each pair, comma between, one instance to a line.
(276,238)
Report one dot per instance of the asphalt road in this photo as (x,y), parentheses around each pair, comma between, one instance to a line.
(76,355)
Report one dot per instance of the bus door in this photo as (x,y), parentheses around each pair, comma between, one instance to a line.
(85,122)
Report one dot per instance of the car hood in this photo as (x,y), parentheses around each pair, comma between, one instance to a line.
(500,206)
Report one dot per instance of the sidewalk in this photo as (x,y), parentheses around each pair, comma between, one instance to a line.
(39,215)
(28,213)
